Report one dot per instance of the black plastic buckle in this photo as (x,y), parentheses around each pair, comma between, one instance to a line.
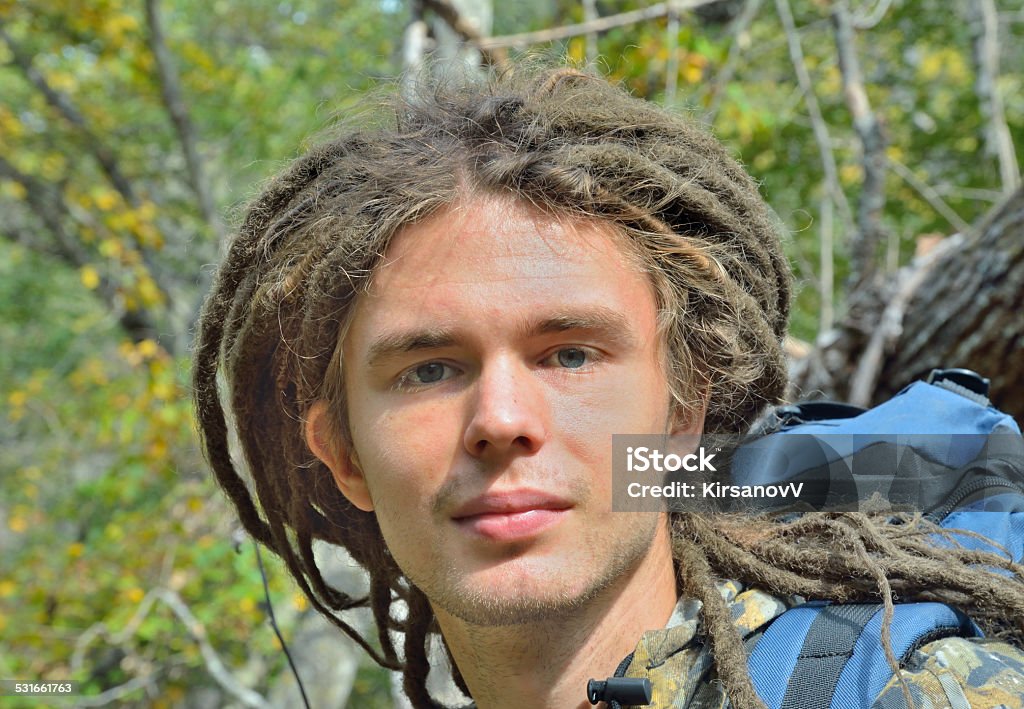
(631,691)
(966,378)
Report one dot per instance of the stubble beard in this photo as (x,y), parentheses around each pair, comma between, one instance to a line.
(475,606)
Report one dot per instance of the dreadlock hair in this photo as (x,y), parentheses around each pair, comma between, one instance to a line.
(577,147)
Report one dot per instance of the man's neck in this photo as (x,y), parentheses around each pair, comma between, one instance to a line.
(547,664)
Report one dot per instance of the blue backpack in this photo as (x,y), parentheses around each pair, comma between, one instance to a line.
(938,446)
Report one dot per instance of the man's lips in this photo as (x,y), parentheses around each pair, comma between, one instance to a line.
(512,515)
(511,502)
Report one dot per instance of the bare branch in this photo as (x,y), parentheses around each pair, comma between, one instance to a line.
(415,41)
(589,15)
(931,196)
(826,286)
(63,104)
(870,230)
(170,90)
(672,44)
(115,693)
(213,662)
(196,630)
(984,25)
(494,55)
(818,124)
(890,324)
(979,194)
(870,20)
(603,24)
(725,74)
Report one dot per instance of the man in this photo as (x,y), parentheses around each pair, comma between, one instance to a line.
(432,329)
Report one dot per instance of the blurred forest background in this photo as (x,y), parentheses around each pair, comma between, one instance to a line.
(887,135)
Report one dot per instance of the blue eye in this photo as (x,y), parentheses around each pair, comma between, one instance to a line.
(424,374)
(572,357)
(429,373)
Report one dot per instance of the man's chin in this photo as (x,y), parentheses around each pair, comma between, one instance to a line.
(515,595)
(481,608)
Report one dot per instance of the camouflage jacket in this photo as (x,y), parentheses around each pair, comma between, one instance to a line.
(951,672)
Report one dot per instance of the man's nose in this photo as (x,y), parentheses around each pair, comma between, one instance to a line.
(509,411)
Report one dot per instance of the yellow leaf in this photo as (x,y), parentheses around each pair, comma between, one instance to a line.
(247,605)
(52,166)
(75,550)
(148,291)
(35,383)
(90,278)
(157,450)
(15,189)
(894,152)
(7,588)
(17,399)
(10,124)
(577,50)
(62,81)
(164,391)
(148,348)
(135,594)
(300,602)
(17,524)
(930,67)
(850,174)
(146,211)
(120,24)
(106,200)
(695,59)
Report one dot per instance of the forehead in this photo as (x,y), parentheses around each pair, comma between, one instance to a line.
(490,269)
(494,235)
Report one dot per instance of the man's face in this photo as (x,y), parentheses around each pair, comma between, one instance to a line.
(486,371)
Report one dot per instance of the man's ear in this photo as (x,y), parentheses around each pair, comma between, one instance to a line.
(690,420)
(687,427)
(322,439)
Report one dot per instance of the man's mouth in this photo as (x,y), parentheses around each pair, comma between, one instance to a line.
(511,515)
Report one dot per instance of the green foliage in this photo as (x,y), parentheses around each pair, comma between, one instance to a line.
(919,74)
(104,500)
(103,497)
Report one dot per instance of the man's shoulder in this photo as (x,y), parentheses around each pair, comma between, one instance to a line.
(960,672)
(948,673)
(678,660)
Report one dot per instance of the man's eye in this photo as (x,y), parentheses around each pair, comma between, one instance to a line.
(571,357)
(426,373)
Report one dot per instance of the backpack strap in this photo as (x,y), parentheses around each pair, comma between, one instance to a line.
(818,655)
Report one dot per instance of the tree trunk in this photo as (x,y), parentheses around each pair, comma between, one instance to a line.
(960,306)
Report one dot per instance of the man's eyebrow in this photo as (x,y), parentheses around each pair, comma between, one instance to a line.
(392,344)
(605,322)
(602,321)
